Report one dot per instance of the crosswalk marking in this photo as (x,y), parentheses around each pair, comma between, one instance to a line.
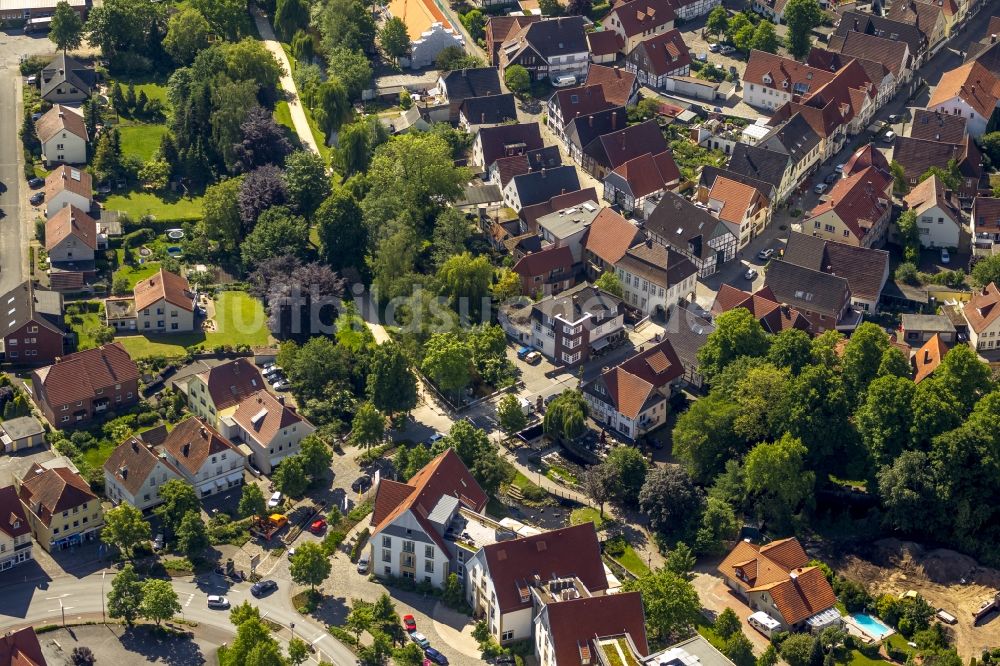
(190,598)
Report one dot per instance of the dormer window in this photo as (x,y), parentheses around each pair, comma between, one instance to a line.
(767,78)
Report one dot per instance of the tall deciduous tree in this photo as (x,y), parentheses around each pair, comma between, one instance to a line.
(510,415)
(862,357)
(517,79)
(221,213)
(309,565)
(252,502)
(351,66)
(718,21)
(884,418)
(630,472)
(719,526)
(192,535)
(125,528)
(671,604)
(277,233)
(187,35)
(394,39)
(600,482)
(368,426)
(737,333)
(466,280)
(125,595)
(671,501)
(290,477)
(290,16)
(775,476)
(316,456)
(566,417)
(178,498)
(342,235)
(66,28)
(765,38)
(261,189)
(159,600)
(609,282)
(262,141)
(704,438)
(118,26)
(451,231)
(228,18)
(392,386)
(801,16)
(306,181)
(446,362)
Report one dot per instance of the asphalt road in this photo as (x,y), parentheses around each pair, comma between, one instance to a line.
(81,598)
(13,198)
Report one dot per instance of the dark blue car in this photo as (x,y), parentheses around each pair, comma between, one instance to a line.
(435,656)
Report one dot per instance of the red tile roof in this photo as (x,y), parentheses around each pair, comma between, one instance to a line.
(610,235)
(736,199)
(542,263)
(973,83)
(444,475)
(581,101)
(617,83)
(648,173)
(21,648)
(54,491)
(57,119)
(131,463)
(12,520)
(804,593)
(231,382)
(929,357)
(68,178)
(567,552)
(859,201)
(167,286)
(983,308)
(638,16)
(760,565)
(77,376)
(264,416)
(782,69)
(986,215)
(193,440)
(890,52)
(665,52)
(70,221)
(576,623)
(866,156)
(763,305)
(631,384)
(604,42)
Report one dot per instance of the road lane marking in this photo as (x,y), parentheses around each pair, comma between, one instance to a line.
(61,596)
(190,597)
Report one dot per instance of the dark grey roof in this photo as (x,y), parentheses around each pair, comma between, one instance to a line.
(462,84)
(613,149)
(687,333)
(759,163)
(22,427)
(582,130)
(987,54)
(64,69)
(883,27)
(795,137)
(480,194)
(577,301)
(935,126)
(558,36)
(507,140)
(24,303)
(925,322)
(493,109)
(709,173)
(538,186)
(660,265)
(806,289)
(865,269)
(684,226)
(544,158)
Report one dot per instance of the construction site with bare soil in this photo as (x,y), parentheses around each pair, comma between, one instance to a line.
(947,579)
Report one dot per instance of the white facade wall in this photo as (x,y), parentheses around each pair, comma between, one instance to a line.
(164,317)
(266,455)
(975,125)
(392,548)
(63,199)
(425,49)
(65,148)
(987,339)
(215,473)
(71,248)
(148,494)
(937,229)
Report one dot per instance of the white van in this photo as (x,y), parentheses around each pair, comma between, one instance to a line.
(764,623)
(363,562)
(564,81)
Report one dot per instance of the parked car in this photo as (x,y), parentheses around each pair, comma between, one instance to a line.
(271,371)
(533,358)
(564,81)
(504,659)
(702,57)
(291,553)
(832,178)
(363,562)
(158,542)
(261,588)
(945,257)
(362,483)
(893,118)
(751,275)
(840,168)
(274,501)
(713,47)
(522,352)
(37,198)
(820,188)
(409,623)
(283,385)
(765,254)
(435,656)
(889,137)
(36,182)
(215,601)
(433,439)
(727,49)
(420,639)
(269,367)
(318,526)
(275,378)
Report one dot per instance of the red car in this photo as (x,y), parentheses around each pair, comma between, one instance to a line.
(409,623)
(318,526)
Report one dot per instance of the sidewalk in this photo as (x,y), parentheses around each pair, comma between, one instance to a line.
(287,83)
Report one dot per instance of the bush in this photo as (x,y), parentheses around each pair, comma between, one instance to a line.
(615,547)
(358,513)
(178,565)
(343,635)
(359,544)
(906,272)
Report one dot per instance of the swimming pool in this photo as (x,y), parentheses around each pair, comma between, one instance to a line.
(871,625)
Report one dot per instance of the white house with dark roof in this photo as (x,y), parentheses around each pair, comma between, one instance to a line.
(982,312)
(692,231)
(940,221)
(204,458)
(270,428)
(67,81)
(655,277)
(550,48)
(134,473)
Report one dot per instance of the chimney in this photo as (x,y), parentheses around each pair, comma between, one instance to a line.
(614,121)
(186,449)
(993,38)
(204,432)
(618,70)
(649,243)
(590,118)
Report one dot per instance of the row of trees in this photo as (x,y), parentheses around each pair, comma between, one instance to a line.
(125,527)
(746,31)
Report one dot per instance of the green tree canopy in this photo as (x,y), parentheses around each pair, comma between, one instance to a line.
(66,28)
(446,362)
(368,426)
(566,417)
(765,38)
(278,232)
(309,565)
(670,602)
(737,333)
(159,600)
(718,21)
(775,476)
(394,39)
(517,79)
(306,181)
(192,535)
(801,16)
(178,498)
(290,477)
(125,528)
(671,501)
(986,270)
(510,415)
(252,502)
(290,16)
(631,474)
(187,35)
(125,595)
(609,282)
(884,418)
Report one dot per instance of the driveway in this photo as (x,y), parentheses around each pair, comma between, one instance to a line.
(716,597)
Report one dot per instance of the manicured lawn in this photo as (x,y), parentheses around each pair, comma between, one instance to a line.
(137,273)
(283,116)
(97,456)
(141,139)
(899,642)
(531,491)
(858,659)
(86,329)
(240,318)
(318,135)
(169,207)
(560,473)
(588,514)
(153,90)
(631,561)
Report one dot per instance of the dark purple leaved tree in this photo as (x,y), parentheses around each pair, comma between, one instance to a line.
(263,141)
(262,188)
